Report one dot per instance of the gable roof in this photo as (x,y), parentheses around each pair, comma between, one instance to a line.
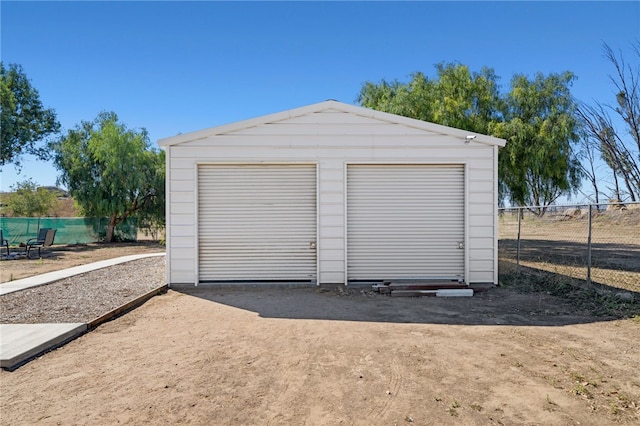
(330,105)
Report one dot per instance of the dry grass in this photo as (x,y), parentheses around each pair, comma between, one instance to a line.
(527,280)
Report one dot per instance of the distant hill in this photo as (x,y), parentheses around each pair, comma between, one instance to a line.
(60,192)
(66,204)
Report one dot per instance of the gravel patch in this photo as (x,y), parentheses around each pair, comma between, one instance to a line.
(84,297)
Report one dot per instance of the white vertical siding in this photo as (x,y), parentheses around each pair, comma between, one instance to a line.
(330,140)
(167,188)
(331,218)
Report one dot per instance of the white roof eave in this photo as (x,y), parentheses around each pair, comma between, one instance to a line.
(323,106)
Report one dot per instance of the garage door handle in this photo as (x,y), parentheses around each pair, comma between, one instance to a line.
(312,245)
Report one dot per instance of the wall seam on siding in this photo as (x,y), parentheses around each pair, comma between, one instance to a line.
(167,225)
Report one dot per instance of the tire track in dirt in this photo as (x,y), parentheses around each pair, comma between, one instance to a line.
(286,380)
(394,384)
(291,384)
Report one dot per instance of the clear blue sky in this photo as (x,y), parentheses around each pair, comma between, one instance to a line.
(174,67)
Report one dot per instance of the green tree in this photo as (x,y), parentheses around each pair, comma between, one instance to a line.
(457,98)
(28,200)
(467,100)
(536,117)
(23,119)
(538,164)
(112,171)
(414,99)
(152,214)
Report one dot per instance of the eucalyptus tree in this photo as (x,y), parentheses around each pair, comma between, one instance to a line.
(618,141)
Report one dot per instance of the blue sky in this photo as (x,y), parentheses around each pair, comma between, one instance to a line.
(174,67)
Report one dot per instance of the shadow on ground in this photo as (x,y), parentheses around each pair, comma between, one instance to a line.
(498,306)
(81,248)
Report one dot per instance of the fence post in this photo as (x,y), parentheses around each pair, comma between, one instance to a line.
(518,246)
(589,247)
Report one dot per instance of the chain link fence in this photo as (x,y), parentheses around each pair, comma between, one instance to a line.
(596,244)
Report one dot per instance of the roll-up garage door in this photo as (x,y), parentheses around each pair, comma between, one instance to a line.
(405,221)
(257,222)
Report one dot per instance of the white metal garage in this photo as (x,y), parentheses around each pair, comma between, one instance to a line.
(331,193)
(257,222)
(405,221)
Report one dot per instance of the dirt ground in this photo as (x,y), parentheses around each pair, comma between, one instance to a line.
(320,357)
(314,356)
(66,256)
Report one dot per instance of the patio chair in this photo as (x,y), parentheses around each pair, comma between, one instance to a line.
(46,241)
(4,243)
(42,233)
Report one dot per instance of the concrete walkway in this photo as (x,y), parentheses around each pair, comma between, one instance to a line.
(20,342)
(49,277)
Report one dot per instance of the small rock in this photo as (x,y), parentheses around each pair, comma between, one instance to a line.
(623,295)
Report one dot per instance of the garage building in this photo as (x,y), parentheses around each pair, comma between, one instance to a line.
(331,193)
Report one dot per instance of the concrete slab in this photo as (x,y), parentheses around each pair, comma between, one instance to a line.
(17,285)
(19,342)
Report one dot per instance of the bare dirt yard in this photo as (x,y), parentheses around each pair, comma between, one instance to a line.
(513,355)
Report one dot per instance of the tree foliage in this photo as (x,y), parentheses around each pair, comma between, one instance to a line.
(112,171)
(23,119)
(28,200)
(457,98)
(538,164)
(537,117)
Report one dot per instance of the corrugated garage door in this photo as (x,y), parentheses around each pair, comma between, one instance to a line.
(257,222)
(405,221)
